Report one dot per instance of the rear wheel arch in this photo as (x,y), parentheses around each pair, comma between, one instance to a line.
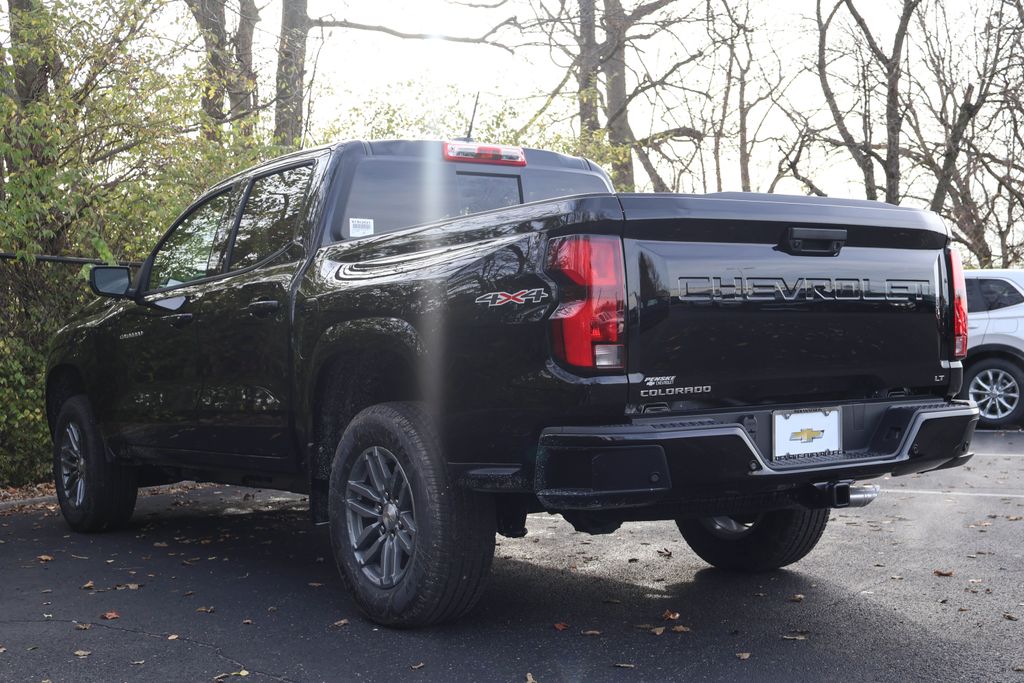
(360,368)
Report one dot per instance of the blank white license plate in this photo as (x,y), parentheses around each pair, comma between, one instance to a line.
(803,433)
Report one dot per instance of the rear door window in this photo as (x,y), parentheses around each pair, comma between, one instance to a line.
(270,219)
(997,293)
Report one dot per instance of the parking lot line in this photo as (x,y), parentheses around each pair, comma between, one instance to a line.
(955,493)
(1001,455)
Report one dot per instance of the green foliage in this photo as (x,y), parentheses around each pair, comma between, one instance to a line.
(24,439)
(101,146)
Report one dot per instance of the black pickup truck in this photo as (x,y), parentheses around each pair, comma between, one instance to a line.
(434,339)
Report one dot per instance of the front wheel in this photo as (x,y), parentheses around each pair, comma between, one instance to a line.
(94,493)
(413,548)
(755,543)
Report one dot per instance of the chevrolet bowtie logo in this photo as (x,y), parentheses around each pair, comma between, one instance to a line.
(807,435)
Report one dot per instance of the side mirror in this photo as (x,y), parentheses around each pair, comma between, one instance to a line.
(111,281)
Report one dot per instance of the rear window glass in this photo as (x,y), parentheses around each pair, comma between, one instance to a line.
(390,194)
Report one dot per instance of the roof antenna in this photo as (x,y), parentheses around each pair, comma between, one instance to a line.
(472,118)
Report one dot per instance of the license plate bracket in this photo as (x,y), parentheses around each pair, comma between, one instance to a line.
(806,433)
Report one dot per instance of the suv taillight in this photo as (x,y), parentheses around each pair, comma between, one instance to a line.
(956,271)
(588,327)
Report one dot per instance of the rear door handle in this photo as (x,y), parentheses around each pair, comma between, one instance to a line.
(263,307)
(179,319)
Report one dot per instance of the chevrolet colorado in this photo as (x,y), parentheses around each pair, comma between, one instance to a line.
(434,339)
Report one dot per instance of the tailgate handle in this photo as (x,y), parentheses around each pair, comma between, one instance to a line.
(813,241)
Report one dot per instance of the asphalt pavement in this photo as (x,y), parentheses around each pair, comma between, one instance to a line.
(927,583)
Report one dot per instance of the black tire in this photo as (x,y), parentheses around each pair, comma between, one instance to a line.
(992,409)
(105,497)
(769,540)
(443,575)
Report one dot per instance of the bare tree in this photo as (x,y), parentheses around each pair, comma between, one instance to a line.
(291,59)
(874,62)
(229,63)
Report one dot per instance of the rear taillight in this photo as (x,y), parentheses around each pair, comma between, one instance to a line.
(588,327)
(503,155)
(956,272)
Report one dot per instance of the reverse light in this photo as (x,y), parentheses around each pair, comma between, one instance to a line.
(956,271)
(504,155)
(588,327)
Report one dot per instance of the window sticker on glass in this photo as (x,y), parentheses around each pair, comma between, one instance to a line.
(360,227)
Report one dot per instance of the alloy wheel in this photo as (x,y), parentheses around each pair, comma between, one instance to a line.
(72,465)
(996,392)
(381,518)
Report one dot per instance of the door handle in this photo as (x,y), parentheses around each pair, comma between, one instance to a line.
(263,307)
(179,319)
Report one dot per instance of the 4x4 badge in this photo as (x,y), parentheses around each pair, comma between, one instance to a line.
(521,297)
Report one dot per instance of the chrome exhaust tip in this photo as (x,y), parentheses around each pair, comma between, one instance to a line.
(863,494)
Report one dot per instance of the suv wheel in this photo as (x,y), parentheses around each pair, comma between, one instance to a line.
(995,385)
(94,493)
(756,543)
(413,548)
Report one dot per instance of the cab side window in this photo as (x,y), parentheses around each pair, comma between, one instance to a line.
(188,253)
(271,216)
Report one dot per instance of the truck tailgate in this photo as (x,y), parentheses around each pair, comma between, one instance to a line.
(744,299)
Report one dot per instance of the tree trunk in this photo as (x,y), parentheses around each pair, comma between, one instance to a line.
(209,15)
(614,69)
(242,94)
(587,75)
(291,71)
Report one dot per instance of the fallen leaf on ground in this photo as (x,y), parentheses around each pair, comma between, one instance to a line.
(632,559)
(625,666)
(127,586)
(88,585)
(138,662)
(658,630)
(669,615)
(798,636)
(314,584)
(943,572)
(159,544)
(416,667)
(530,678)
(561,626)
(1009,617)
(82,653)
(665,552)
(799,597)
(173,636)
(110,616)
(83,627)
(3,650)
(680,629)
(743,656)
(341,622)
(45,558)
(248,622)
(205,610)
(591,633)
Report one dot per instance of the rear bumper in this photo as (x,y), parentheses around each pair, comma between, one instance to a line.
(727,457)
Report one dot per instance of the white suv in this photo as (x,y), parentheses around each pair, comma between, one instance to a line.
(994,368)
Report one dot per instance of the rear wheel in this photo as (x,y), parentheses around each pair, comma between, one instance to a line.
(413,548)
(995,385)
(755,543)
(94,493)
